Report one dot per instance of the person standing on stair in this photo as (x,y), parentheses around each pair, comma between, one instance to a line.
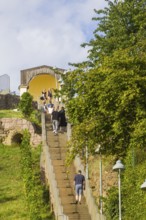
(55,120)
(62,119)
(50,107)
(79,184)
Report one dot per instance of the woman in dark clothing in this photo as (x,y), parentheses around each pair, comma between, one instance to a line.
(62,119)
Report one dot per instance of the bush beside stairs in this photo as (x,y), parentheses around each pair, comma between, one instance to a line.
(64,176)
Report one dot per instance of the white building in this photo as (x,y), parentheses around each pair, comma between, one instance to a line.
(4,84)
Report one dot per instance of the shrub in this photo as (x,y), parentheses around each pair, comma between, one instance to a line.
(25,104)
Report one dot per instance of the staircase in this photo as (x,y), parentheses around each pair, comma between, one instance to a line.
(64,177)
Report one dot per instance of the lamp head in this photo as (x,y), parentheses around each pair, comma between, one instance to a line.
(97,150)
(118,166)
(143,186)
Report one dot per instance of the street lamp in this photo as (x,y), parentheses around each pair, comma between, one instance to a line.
(143,186)
(87,169)
(61,83)
(98,150)
(118,167)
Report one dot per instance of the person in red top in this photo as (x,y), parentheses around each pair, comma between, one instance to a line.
(79,183)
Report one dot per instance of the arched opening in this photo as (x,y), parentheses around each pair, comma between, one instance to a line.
(17,138)
(41,82)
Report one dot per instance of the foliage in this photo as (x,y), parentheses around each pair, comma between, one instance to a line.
(34,190)
(134,202)
(111,204)
(106,94)
(133,198)
(106,102)
(36,117)
(12,197)
(25,104)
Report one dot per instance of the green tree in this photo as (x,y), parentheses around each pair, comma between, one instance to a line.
(108,102)
(106,93)
(25,104)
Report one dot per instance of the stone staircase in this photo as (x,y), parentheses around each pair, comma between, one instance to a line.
(64,176)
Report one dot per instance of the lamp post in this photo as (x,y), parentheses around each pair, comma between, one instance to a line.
(143,186)
(98,150)
(87,169)
(118,167)
(61,83)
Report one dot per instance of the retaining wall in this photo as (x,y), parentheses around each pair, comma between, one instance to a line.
(12,126)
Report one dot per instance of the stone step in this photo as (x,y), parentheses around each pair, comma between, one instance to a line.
(57,152)
(82,208)
(54,150)
(58,163)
(65,192)
(73,216)
(84,217)
(61,176)
(52,142)
(68,200)
(56,156)
(69,208)
(52,136)
(49,126)
(53,145)
(59,169)
(62,137)
(63,183)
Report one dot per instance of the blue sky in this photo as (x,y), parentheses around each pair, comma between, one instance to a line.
(44,32)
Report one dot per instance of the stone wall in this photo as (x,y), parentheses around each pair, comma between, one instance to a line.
(9,101)
(9,127)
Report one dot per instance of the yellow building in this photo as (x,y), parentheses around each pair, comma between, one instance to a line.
(37,79)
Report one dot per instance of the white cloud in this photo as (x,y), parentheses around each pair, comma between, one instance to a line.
(43,32)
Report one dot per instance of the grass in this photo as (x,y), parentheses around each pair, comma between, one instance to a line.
(35,116)
(12,198)
(10,114)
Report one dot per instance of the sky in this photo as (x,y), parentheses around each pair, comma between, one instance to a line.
(44,32)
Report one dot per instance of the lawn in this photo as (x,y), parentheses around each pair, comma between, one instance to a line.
(12,198)
(10,114)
